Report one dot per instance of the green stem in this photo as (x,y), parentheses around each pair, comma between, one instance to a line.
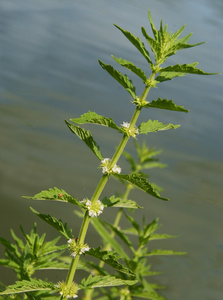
(102,183)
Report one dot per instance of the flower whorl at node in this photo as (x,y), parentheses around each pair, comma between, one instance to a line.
(131,132)
(76,248)
(65,291)
(105,165)
(94,209)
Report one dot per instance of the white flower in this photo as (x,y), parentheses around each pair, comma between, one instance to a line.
(76,248)
(131,132)
(125,125)
(95,209)
(106,169)
(105,160)
(116,169)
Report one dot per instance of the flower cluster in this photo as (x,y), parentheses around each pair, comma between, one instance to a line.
(105,165)
(131,132)
(94,209)
(76,248)
(65,291)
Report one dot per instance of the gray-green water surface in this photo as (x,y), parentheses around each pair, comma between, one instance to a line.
(49,72)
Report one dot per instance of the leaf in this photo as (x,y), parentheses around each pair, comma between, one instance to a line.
(100,228)
(152,295)
(104,281)
(130,66)
(165,76)
(164,252)
(110,258)
(56,195)
(153,126)
(9,246)
(158,236)
(119,202)
(140,182)
(121,235)
(186,68)
(122,79)
(87,138)
(137,43)
(166,104)
(28,286)
(57,224)
(94,118)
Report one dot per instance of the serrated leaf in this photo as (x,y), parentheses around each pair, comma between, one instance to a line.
(120,234)
(9,246)
(152,295)
(141,183)
(59,225)
(24,286)
(186,68)
(137,43)
(56,195)
(127,204)
(158,236)
(100,228)
(153,126)
(154,30)
(153,43)
(166,104)
(122,79)
(119,202)
(153,164)
(164,252)
(132,67)
(110,258)
(104,281)
(86,137)
(94,118)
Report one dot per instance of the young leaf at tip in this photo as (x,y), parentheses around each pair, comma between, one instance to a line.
(137,43)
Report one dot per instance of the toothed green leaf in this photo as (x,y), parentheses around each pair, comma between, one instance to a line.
(110,258)
(56,195)
(129,65)
(94,118)
(152,295)
(100,228)
(28,286)
(119,202)
(137,43)
(158,236)
(104,281)
(122,79)
(141,183)
(59,225)
(185,68)
(86,137)
(166,104)
(164,252)
(153,126)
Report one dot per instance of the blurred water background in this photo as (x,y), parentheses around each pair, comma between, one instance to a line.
(49,72)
